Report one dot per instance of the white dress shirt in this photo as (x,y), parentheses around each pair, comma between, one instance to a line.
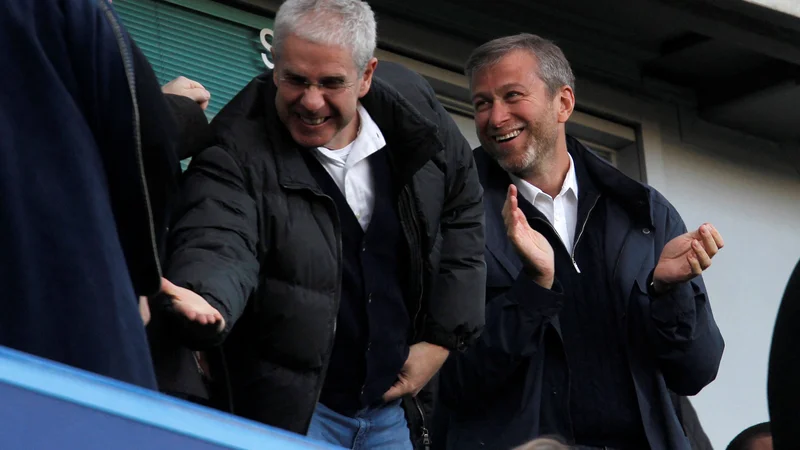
(350,169)
(561,212)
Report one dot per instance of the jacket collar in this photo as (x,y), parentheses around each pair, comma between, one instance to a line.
(632,196)
(412,138)
(495,182)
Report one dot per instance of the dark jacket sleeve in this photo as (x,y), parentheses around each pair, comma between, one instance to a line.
(686,340)
(692,426)
(213,240)
(159,138)
(456,312)
(515,325)
(194,132)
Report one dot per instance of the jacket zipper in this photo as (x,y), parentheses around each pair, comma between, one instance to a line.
(137,128)
(577,239)
(575,264)
(572,256)
(426,437)
(412,232)
(337,300)
(583,227)
(413,237)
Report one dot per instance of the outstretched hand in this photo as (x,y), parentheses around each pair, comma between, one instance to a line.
(192,306)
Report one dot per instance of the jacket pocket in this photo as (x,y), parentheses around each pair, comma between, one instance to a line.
(293,325)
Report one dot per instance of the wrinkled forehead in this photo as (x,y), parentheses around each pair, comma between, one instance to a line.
(514,68)
(304,58)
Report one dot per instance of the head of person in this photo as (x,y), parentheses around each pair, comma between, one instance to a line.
(544,443)
(757,437)
(523,94)
(323,54)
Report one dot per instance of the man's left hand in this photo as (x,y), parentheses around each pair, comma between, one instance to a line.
(686,257)
(188,88)
(424,360)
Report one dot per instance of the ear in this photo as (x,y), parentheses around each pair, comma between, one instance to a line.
(566,103)
(275,76)
(366,80)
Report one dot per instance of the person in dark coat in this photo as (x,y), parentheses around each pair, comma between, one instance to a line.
(783,390)
(85,186)
(596,307)
(337,228)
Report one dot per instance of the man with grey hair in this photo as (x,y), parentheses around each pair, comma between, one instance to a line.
(338,223)
(596,305)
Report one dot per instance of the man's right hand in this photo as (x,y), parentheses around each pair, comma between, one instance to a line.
(537,255)
(192,306)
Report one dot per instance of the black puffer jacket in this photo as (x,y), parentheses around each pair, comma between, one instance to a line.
(260,241)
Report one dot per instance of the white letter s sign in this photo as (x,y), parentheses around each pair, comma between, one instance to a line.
(264,33)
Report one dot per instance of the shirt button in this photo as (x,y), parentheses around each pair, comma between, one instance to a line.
(646,230)
(369,298)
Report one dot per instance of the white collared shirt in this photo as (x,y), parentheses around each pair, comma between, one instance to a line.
(561,212)
(350,169)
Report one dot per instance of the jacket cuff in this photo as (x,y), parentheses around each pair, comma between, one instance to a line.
(458,340)
(194,132)
(671,306)
(536,300)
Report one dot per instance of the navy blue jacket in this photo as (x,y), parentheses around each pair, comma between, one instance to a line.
(500,392)
(79,222)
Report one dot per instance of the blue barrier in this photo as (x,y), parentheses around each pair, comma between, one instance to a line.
(46,405)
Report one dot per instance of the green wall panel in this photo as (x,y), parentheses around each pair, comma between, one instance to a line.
(216,45)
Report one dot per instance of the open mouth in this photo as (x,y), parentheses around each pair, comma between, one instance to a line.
(313,121)
(508,136)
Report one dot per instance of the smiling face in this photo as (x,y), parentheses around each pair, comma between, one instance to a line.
(517,119)
(325,114)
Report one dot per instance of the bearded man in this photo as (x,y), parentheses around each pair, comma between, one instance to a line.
(596,309)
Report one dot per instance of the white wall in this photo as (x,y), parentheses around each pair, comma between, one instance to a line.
(467,126)
(753,197)
(750,190)
(791,7)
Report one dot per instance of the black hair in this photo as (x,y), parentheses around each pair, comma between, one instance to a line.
(743,440)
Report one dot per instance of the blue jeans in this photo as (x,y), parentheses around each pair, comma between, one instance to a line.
(381,428)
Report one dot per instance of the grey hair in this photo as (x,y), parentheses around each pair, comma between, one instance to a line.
(342,23)
(554,69)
